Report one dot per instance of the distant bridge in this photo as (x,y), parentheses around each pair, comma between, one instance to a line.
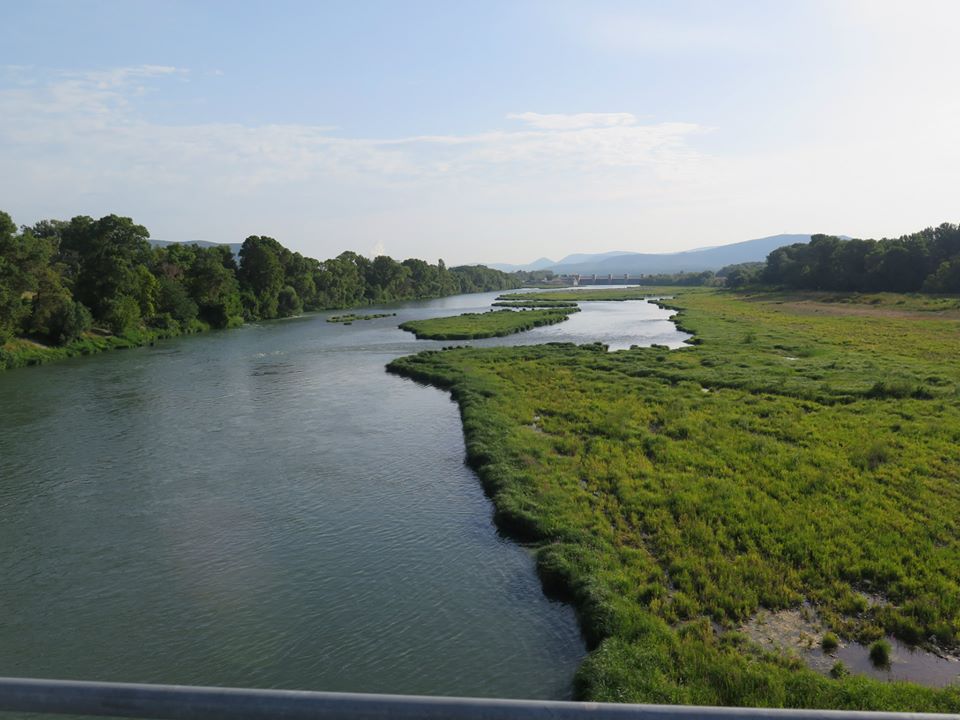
(599,279)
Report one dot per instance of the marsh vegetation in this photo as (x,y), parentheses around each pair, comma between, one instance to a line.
(804,450)
(496,323)
(352,318)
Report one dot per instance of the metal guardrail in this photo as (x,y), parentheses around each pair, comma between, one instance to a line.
(181,702)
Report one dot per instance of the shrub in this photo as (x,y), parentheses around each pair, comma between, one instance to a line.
(880,653)
(829,642)
(839,670)
(122,314)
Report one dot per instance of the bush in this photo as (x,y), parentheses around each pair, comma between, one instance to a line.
(839,670)
(122,314)
(880,653)
(289,303)
(830,642)
(58,320)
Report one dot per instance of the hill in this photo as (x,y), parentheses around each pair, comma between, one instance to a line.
(620,262)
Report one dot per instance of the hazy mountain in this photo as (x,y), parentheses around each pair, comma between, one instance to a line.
(540,264)
(712,258)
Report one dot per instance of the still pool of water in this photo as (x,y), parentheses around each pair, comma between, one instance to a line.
(267,507)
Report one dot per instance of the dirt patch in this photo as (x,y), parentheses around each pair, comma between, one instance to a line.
(800,632)
(807,307)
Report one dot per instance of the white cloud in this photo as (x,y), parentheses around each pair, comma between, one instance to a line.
(575,121)
(78,143)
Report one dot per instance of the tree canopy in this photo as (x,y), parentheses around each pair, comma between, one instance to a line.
(60,278)
(927,261)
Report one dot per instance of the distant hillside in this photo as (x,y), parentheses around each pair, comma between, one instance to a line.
(712,258)
(234,247)
(535,265)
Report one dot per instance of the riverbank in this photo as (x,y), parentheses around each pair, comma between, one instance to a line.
(23,352)
(793,455)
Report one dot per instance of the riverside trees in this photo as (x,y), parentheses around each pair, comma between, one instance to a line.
(60,278)
(927,261)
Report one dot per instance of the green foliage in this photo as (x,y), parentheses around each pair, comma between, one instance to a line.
(655,506)
(54,316)
(351,318)
(927,260)
(52,273)
(262,275)
(829,642)
(122,314)
(839,670)
(496,323)
(288,302)
(880,653)
(735,276)
(478,278)
(174,300)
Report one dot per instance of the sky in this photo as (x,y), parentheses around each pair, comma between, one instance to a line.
(483,131)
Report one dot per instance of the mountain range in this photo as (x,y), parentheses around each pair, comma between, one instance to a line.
(621,262)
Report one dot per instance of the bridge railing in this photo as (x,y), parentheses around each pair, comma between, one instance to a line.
(179,702)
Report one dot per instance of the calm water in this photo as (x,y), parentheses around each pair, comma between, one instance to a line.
(267,507)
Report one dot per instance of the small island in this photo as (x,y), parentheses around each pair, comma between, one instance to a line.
(534,303)
(351,318)
(495,323)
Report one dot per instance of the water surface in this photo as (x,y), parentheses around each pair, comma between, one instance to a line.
(267,507)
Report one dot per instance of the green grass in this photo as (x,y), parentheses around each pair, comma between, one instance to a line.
(496,323)
(351,318)
(613,294)
(534,303)
(21,352)
(790,455)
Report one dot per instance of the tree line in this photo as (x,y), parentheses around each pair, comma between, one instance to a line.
(926,261)
(60,278)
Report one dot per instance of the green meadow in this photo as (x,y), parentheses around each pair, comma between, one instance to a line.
(495,323)
(805,447)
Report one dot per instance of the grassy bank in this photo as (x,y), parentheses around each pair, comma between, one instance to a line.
(22,352)
(806,449)
(496,323)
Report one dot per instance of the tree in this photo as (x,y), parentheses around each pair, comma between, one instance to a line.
(215,290)
(54,316)
(262,275)
(109,251)
(23,258)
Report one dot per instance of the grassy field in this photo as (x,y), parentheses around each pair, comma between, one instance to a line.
(806,448)
(496,323)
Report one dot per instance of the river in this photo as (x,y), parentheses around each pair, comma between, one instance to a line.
(267,507)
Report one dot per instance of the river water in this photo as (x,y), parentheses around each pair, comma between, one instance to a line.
(267,507)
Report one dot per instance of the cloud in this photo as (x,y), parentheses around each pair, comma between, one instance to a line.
(575,121)
(92,121)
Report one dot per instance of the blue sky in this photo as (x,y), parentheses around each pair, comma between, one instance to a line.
(483,131)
